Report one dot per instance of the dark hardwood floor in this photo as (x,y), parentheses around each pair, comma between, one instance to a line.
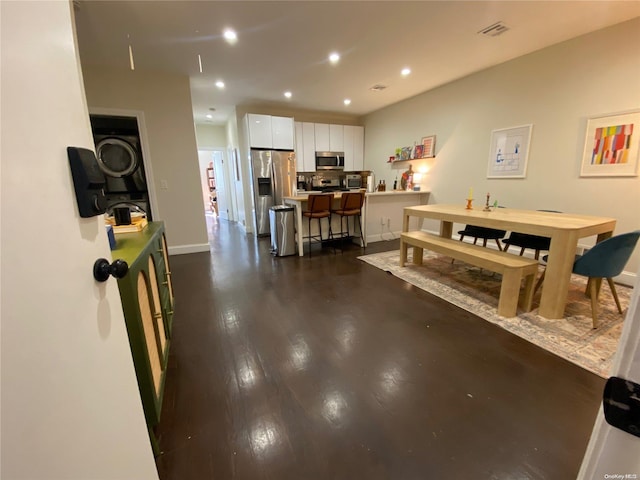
(328,368)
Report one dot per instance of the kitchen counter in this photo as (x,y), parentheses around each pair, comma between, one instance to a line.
(299,199)
(397,192)
(381,212)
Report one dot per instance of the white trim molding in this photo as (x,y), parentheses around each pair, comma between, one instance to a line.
(193,248)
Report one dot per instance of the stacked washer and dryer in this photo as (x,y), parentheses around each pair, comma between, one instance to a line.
(119,154)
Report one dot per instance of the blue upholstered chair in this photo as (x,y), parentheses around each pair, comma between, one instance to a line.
(604,260)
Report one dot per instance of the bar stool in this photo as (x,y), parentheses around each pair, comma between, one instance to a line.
(350,206)
(318,207)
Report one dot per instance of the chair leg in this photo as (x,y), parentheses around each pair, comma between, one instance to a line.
(537,255)
(522,251)
(615,293)
(593,290)
(484,243)
(499,244)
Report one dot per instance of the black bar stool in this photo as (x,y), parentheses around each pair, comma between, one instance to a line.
(318,207)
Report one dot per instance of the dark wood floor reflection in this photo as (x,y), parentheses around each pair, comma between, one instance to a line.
(328,368)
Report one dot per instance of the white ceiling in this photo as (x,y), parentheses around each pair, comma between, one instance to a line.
(284,45)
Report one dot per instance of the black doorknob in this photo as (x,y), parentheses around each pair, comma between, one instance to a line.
(102,269)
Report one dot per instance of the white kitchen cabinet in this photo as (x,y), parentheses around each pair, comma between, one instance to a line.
(309,147)
(305,147)
(259,127)
(266,131)
(353,148)
(282,133)
(336,138)
(322,137)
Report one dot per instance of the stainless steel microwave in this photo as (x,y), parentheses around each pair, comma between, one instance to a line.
(329,160)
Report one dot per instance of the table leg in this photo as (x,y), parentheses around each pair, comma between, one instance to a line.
(405,222)
(446,229)
(558,274)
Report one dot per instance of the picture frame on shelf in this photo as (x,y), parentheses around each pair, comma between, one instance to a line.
(509,152)
(418,151)
(405,154)
(428,147)
(611,146)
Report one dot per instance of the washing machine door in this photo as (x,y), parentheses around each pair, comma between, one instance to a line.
(116,157)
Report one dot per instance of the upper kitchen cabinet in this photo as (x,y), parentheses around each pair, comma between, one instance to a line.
(353,148)
(329,138)
(283,132)
(266,131)
(336,138)
(305,147)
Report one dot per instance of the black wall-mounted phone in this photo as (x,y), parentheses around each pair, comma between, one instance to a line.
(88,181)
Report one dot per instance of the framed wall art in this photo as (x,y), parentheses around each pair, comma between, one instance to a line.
(611,146)
(429,146)
(509,152)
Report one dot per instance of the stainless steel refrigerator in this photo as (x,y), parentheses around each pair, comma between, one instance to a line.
(274,177)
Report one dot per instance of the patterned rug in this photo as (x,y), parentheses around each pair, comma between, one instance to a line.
(477,291)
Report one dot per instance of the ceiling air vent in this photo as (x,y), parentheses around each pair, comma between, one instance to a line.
(494,30)
(378,87)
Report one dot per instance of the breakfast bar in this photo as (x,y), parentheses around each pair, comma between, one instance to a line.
(300,199)
(564,230)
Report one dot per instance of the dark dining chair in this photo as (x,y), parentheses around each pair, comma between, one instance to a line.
(605,259)
(525,240)
(484,233)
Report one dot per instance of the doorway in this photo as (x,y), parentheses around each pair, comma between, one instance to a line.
(216,194)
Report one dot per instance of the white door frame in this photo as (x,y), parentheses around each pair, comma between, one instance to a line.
(612,451)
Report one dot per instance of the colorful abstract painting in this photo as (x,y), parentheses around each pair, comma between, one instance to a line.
(611,146)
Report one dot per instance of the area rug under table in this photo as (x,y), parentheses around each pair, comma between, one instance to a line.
(477,291)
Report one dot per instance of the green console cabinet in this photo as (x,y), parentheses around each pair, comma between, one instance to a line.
(146,292)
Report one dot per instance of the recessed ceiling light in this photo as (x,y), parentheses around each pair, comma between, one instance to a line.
(200,62)
(334,57)
(230,35)
(405,71)
(288,94)
(347,101)
(220,84)
(208,115)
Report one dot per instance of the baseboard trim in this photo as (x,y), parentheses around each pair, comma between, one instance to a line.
(184,249)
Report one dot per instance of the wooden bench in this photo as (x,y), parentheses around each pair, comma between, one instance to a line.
(512,267)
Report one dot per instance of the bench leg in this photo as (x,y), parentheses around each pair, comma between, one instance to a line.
(509,292)
(403,252)
(527,301)
(417,255)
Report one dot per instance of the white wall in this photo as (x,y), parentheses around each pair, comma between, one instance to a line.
(555,89)
(166,102)
(71,408)
(211,136)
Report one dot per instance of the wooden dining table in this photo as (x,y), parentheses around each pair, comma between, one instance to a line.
(564,229)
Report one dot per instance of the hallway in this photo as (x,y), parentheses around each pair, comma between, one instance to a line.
(328,368)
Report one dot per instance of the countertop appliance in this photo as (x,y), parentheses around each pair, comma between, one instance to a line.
(326,184)
(274,177)
(329,161)
(353,181)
